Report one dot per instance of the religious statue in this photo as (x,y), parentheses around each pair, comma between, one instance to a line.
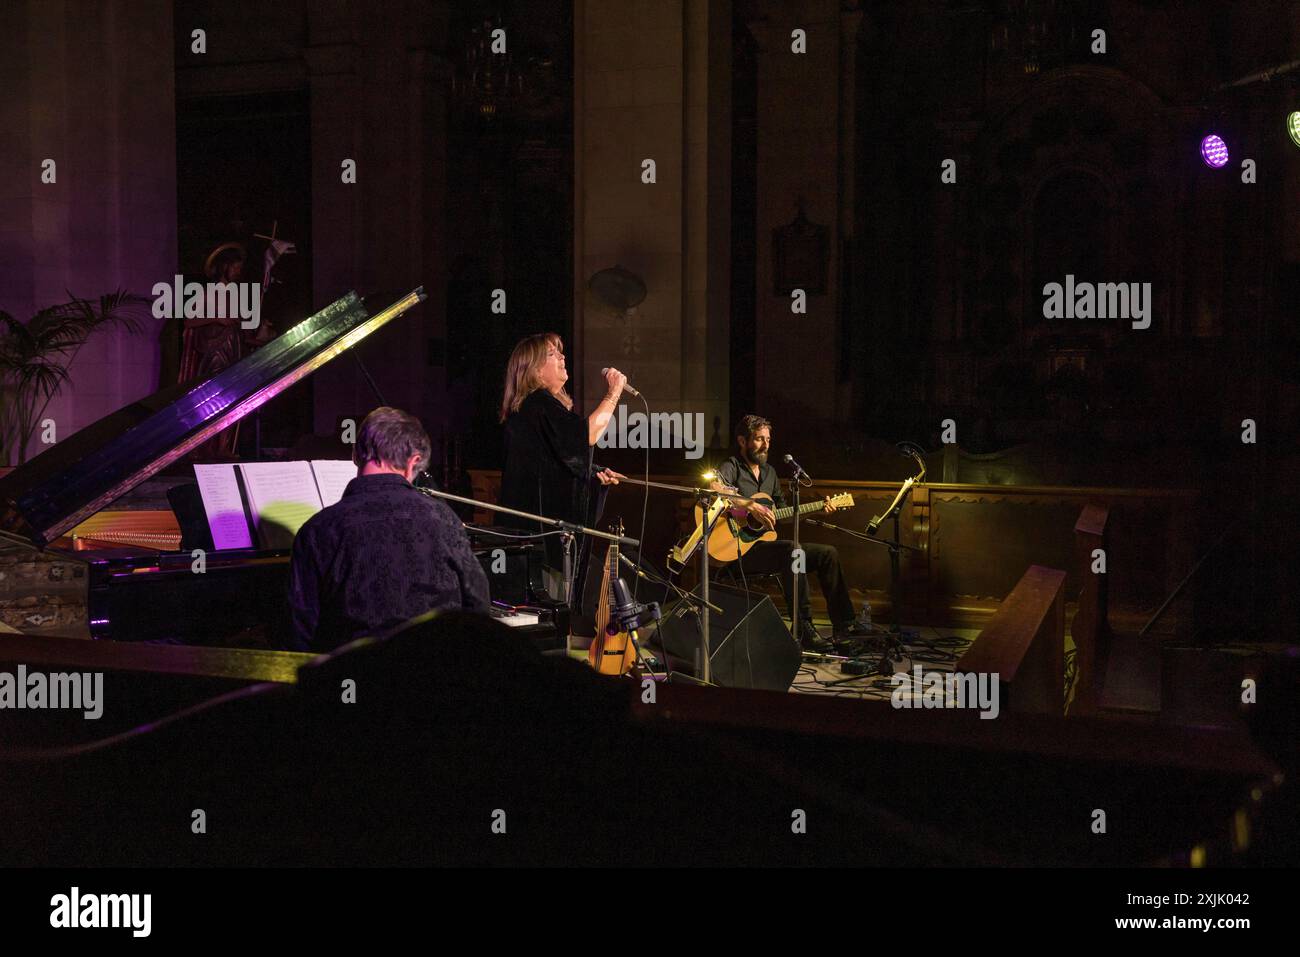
(212,344)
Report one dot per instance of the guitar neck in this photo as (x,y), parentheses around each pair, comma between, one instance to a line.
(788,511)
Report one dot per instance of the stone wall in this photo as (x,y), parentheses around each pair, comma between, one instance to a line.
(89,86)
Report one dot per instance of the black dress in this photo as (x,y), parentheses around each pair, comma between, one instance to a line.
(549,469)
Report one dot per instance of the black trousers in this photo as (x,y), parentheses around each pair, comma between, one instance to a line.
(766,557)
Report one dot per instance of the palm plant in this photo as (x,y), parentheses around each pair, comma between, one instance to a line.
(35,358)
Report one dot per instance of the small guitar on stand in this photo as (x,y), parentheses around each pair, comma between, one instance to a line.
(612,652)
(735,531)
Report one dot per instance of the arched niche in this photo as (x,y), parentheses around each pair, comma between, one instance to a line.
(1073,168)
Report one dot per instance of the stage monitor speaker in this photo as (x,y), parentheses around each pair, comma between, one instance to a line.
(751,646)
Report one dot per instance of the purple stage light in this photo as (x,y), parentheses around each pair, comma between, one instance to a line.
(1214,151)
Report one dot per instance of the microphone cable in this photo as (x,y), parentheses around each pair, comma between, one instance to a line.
(645,505)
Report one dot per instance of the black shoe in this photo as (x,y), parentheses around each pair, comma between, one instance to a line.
(813,640)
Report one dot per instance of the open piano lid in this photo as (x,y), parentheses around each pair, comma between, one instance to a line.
(81,475)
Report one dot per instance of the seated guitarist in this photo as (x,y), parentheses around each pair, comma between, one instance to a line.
(748,474)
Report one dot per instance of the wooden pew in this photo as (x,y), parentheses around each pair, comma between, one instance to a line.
(141,684)
(1090,629)
(1024,644)
(244,665)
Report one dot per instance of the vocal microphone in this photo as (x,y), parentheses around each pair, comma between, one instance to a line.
(798,469)
(627,386)
(624,603)
(913,452)
(629,614)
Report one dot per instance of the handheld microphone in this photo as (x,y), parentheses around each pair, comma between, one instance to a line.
(627,386)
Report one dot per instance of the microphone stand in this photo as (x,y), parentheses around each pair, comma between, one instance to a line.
(795,485)
(572,528)
(704,669)
(687,598)
(568,529)
(630,616)
(893,639)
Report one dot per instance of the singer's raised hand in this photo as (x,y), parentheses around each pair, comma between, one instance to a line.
(615,381)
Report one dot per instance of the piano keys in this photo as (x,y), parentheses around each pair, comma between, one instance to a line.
(515,583)
(515,617)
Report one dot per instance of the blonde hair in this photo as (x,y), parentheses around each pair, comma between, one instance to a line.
(523,375)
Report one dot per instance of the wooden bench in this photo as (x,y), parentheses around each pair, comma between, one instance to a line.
(1090,629)
(1024,645)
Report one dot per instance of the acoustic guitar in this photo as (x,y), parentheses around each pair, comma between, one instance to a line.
(735,530)
(612,651)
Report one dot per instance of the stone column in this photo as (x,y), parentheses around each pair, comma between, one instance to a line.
(629,100)
(654,85)
(799,140)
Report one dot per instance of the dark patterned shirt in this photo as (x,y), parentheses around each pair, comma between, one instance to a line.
(735,472)
(382,554)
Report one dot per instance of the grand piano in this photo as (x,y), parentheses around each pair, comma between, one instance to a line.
(106,572)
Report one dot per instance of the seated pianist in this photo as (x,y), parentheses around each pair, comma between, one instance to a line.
(384,553)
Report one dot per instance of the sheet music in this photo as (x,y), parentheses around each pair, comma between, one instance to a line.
(332,477)
(282,495)
(219,489)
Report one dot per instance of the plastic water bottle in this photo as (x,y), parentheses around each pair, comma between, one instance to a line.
(864,619)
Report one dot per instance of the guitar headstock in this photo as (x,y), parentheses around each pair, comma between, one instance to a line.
(843,500)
